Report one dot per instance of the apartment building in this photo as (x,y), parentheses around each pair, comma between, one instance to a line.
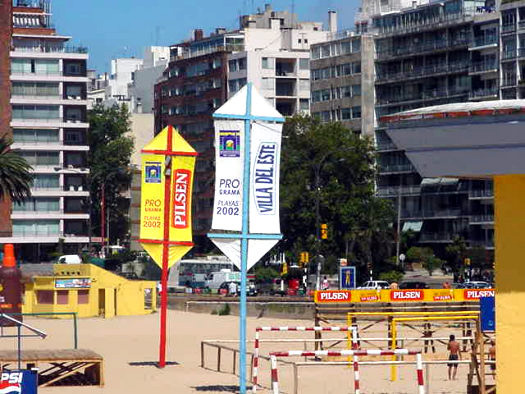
(429,56)
(512,42)
(49,126)
(342,81)
(271,49)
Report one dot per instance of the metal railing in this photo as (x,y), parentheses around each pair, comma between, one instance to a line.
(508,27)
(221,48)
(52,49)
(484,92)
(509,54)
(521,25)
(484,41)
(487,218)
(39,72)
(396,168)
(425,71)
(484,66)
(395,191)
(481,193)
(521,52)
(435,237)
(386,146)
(423,47)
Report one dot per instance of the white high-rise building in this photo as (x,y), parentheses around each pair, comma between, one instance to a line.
(49,124)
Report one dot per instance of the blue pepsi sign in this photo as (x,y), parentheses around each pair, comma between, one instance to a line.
(347,278)
(487,306)
(19,382)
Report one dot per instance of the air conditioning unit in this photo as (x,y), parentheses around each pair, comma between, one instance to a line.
(70,166)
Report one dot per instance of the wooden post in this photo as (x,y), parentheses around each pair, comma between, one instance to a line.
(218,359)
(295,379)
(479,336)
(234,360)
(202,354)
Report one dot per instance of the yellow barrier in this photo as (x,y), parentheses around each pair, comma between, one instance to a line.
(393,296)
(393,331)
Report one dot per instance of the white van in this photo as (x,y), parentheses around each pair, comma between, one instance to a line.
(69,259)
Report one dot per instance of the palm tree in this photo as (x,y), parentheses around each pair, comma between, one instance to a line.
(15,176)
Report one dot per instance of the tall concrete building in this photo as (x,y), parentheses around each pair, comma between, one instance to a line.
(423,54)
(6,29)
(49,126)
(271,49)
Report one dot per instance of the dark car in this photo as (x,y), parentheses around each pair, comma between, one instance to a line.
(413,285)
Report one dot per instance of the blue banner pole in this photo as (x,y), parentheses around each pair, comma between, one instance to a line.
(244,241)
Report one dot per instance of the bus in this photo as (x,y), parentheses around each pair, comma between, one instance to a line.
(194,272)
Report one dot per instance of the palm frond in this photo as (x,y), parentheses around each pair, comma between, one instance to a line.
(15,173)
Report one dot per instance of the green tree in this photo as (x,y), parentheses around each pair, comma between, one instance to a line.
(426,257)
(15,176)
(110,149)
(456,253)
(359,224)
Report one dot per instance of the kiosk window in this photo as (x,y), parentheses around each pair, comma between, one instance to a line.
(83,296)
(62,297)
(44,296)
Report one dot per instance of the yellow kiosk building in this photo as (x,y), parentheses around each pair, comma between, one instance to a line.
(87,290)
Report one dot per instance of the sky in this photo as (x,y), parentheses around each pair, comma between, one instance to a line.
(123,28)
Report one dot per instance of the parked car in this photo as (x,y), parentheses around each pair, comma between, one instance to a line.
(374,285)
(69,259)
(477,285)
(413,285)
(251,291)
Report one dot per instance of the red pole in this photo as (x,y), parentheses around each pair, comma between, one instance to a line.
(165,253)
(103,218)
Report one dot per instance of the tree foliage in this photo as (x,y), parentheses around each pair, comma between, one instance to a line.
(110,149)
(456,252)
(15,176)
(426,257)
(359,224)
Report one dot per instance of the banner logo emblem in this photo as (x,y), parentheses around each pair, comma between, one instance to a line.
(182,182)
(153,172)
(229,143)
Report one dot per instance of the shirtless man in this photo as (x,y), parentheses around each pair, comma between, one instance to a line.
(455,354)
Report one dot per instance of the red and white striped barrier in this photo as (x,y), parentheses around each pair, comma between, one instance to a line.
(355,353)
(287,329)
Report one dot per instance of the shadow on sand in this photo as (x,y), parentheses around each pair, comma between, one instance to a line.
(217,389)
(150,363)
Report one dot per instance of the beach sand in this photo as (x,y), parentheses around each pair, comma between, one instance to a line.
(123,341)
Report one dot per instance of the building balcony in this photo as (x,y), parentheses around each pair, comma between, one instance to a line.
(483,67)
(21,236)
(392,191)
(51,49)
(508,28)
(435,237)
(386,146)
(423,72)
(59,191)
(481,194)
(396,168)
(487,219)
(222,48)
(412,50)
(427,95)
(483,93)
(509,54)
(58,215)
(49,76)
(483,42)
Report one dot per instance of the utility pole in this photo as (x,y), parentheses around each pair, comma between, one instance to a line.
(398,231)
(317,170)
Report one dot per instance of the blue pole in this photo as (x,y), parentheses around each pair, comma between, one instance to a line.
(244,241)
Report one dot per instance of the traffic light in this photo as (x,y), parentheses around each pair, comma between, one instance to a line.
(369,266)
(324,231)
(467,262)
(304,257)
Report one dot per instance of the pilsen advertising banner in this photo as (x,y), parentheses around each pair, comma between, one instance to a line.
(152,206)
(416,295)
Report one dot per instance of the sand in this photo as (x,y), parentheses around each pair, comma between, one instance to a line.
(126,340)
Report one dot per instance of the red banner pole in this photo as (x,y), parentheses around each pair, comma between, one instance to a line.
(165,254)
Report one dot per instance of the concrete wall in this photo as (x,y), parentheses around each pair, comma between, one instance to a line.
(510,288)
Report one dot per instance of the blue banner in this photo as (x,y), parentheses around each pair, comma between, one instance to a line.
(488,313)
(347,278)
(19,382)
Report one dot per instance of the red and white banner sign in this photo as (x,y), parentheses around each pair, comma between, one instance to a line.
(333,296)
(407,295)
(476,294)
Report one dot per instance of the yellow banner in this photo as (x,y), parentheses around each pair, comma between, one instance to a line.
(409,295)
(152,210)
(152,198)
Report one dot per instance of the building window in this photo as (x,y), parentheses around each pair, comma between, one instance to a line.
(45,297)
(83,297)
(62,297)
(316,52)
(265,63)
(26,228)
(356,45)
(267,83)
(304,64)
(356,90)
(356,112)
(37,205)
(304,104)
(232,65)
(345,114)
